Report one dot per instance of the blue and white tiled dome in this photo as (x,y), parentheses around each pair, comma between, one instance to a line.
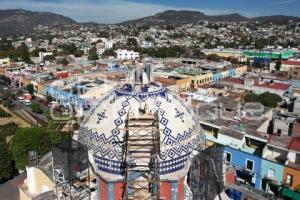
(102,130)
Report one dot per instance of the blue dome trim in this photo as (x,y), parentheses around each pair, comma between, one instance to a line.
(118,168)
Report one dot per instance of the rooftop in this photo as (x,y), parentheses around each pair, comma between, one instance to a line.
(281,142)
(273,85)
(276,86)
(294,144)
(234,80)
(290,62)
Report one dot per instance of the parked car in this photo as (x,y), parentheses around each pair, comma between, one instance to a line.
(20,99)
(27,102)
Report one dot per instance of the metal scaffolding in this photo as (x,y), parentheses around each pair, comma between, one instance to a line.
(71,171)
(142,154)
(206,178)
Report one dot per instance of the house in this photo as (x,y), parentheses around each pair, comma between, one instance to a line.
(42,55)
(274,158)
(271,175)
(291,66)
(291,175)
(282,124)
(247,166)
(123,54)
(253,84)
(281,166)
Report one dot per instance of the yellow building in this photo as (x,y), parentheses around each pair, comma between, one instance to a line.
(241,70)
(196,81)
(183,84)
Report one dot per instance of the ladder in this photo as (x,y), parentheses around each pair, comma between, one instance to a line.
(142,152)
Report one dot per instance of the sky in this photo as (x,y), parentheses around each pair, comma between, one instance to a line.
(113,11)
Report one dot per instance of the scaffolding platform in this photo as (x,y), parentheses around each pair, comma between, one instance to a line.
(142,152)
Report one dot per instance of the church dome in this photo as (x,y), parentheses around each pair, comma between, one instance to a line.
(103,130)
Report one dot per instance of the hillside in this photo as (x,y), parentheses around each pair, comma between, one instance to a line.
(275,18)
(15,22)
(185,16)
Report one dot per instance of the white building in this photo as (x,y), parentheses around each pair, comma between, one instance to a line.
(123,54)
(4,61)
(42,55)
(109,44)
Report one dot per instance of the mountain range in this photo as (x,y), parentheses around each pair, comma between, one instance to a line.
(19,22)
(186,16)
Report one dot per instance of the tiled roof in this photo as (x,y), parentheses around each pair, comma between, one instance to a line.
(290,62)
(276,86)
(295,144)
(234,80)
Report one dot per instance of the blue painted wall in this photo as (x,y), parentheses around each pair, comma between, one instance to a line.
(217,77)
(64,97)
(231,72)
(238,159)
(174,190)
(110,191)
(266,165)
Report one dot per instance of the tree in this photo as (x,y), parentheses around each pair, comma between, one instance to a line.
(131,42)
(36,108)
(108,52)
(261,43)
(199,54)
(270,99)
(213,57)
(252,97)
(93,54)
(149,39)
(234,60)
(36,51)
(8,129)
(29,139)
(30,89)
(6,160)
(57,137)
(63,61)
(23,53)
(49,99)
(278,63)
(103,34)
(68,49)
(267,99)
(7,97)
(49,58)
(3,113)
(4,80)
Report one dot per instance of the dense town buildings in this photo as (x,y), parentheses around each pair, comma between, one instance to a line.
(211,83)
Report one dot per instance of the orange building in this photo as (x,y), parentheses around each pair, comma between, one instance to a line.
(291,177)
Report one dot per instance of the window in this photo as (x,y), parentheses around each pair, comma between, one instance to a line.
(249,165)
(271,173)
(278,132)
(228,157)
(289,179)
